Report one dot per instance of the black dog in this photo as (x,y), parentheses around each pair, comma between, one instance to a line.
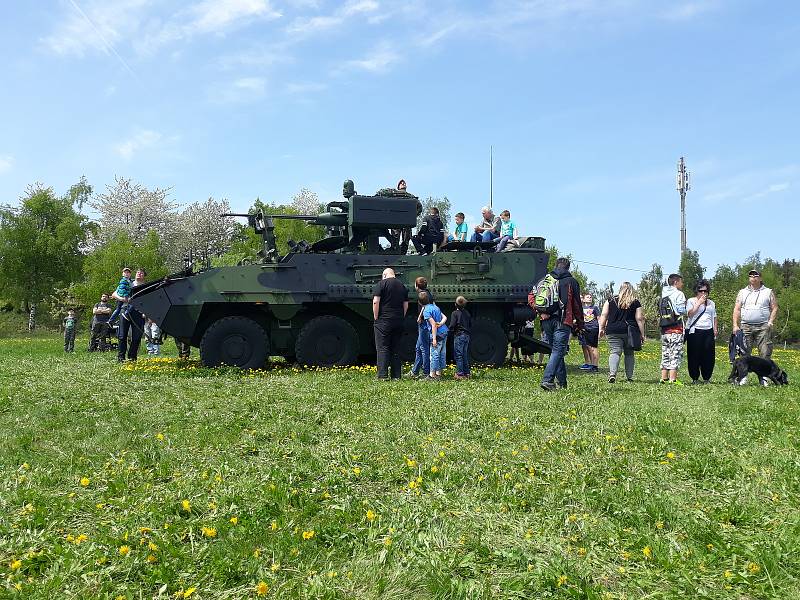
(764,368)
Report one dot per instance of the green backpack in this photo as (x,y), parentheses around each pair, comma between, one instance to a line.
(544,297)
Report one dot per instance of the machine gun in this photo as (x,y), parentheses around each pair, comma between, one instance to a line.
(349,224)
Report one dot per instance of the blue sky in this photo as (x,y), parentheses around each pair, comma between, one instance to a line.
(588,105)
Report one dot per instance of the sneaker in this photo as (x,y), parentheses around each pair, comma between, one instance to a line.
(676,382)
(585,367)
(612,379)
(660,381)
(548,386)
(595,369)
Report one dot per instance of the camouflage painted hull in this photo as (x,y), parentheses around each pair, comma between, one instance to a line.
(317,308)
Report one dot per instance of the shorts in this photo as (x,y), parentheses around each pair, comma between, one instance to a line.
(589,337)
(671,351)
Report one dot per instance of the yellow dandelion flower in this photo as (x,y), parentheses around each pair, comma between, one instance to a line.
(357,470)
(26,466)
(307,535)
(332,574)
(186,505)
(16,564)
(411,463)
(371,515)
(434,469)
(572,518)
(710,546)
(274,526)
(160,436)
(727,574)
(262,588)
(621,570)
(189,592)
(275,567)
(151,558)
(412,485)
(387,541)
(670,455)
(152,547)
(234,520)
(124,550)
(208,532)
(753,568)
(85,481)
(81,538)
(659,524)
(561,580)
(648,553)
(581,551)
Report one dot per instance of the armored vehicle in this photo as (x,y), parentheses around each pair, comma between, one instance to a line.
(314,304)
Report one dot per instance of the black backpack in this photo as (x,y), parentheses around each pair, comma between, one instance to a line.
(667,317)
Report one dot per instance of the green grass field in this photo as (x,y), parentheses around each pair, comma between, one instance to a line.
(165,479)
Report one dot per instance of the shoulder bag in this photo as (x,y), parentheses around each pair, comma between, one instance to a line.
(696,319)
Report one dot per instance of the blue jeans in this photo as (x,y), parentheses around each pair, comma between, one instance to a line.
(422,358)
(439,355)
(461,353)
(486,236)
(558,335)
(502,243)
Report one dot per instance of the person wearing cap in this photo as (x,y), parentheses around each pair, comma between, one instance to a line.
(754,314)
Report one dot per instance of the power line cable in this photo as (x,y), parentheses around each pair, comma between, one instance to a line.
(588,262)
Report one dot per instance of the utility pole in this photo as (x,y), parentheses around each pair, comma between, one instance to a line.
(491,176)
(683,185)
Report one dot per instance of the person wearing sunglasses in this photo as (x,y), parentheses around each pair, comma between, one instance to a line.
(701,331)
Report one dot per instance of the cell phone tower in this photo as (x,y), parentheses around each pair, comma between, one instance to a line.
(683,185)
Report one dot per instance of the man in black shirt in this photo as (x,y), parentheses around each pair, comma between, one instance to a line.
(101,313)
(429,233)
(389,307)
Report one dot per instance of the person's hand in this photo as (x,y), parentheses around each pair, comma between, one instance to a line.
(736,330)
(433,342)
(770,324)
(601,333)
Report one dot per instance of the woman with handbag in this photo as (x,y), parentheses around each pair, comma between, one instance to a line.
(701,331)
(622,322)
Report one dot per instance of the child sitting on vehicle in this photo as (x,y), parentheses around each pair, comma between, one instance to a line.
(508,231)
(460,234)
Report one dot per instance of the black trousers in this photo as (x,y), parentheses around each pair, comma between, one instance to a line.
(388,333)
(700,353)
(131,324)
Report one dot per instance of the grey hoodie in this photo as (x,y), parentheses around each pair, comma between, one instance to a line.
(676,297)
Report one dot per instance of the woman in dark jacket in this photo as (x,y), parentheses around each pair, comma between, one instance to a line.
(618,312)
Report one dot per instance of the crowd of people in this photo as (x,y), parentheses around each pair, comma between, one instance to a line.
(122,326)
(687,326)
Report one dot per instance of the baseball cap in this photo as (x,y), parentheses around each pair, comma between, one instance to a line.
(754,272)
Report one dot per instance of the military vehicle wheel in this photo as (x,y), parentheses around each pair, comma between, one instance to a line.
(327,341)
(488,343)
(236,342)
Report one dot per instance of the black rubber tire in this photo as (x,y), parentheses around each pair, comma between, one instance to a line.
(488,343)
(327,341)
(235,342)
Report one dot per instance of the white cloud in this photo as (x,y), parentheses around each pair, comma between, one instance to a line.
(749,186)
(305,88)
(244,89)
(95,26)
(683,11)
(6,162)
(139,141)
(305,26)
(376,61)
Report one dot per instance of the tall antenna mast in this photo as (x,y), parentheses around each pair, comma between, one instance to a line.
(491,177)
(683,185)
